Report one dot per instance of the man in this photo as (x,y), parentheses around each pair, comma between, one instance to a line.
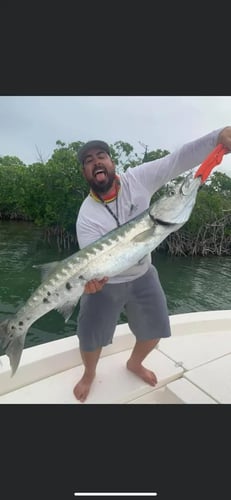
(112,201)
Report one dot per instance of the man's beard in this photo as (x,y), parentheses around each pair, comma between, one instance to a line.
(105,186)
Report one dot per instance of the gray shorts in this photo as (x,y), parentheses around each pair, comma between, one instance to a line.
(143,302)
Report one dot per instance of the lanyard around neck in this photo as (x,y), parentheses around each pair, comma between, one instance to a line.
(110,210)
(98,198)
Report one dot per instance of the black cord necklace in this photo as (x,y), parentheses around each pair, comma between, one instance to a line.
(110,210)
(115,216)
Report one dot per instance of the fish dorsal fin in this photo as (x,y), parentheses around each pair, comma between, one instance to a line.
(46,269)
(141,237)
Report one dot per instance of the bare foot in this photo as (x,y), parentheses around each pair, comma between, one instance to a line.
(142,372)
(82,388)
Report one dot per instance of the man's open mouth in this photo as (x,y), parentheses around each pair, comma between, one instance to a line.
(100,174)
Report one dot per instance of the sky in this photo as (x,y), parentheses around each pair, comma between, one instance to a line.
(31,125)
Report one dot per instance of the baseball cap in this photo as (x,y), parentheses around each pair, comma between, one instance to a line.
(83,151)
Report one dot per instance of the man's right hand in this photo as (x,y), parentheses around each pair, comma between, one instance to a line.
(94,286)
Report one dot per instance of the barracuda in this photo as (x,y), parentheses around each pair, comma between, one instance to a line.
(63,282)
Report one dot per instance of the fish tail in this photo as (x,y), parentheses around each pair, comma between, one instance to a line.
(12,345)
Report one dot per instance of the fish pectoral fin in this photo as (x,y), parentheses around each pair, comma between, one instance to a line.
(141,237)
(67,308)
(46,269)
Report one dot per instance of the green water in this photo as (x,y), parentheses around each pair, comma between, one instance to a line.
(190,284)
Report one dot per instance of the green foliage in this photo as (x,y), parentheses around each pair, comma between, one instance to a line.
(12,190)
(123,155)
(10,161)
(56,190)
(12,172)
(221,183)
(154,155)
(210,207)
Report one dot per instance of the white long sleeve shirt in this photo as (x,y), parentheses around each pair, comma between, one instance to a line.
(138,184)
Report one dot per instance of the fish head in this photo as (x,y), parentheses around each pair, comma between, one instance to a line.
(177,205)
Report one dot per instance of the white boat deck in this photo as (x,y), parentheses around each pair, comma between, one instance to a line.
(192,367)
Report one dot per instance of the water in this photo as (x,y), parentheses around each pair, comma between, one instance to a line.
(195,283)
(190,284)
(21,247)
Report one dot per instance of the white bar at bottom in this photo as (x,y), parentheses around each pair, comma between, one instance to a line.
(113,494)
